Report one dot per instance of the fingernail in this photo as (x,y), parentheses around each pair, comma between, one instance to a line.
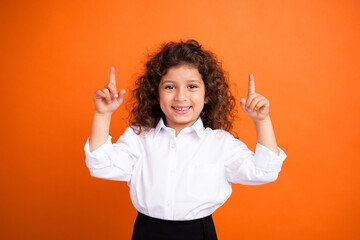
(116,95)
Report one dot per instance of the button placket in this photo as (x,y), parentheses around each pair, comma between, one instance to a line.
(169,208)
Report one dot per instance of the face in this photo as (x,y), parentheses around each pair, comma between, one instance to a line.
(181,96)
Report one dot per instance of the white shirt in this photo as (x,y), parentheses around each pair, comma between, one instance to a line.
(182,177)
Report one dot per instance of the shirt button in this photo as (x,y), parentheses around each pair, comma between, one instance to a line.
(168,203)
(172,172)
(172,145)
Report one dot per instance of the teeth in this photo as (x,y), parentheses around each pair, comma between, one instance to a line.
(181,109)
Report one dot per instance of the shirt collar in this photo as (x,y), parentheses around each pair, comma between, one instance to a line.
(198,127)
(159,126)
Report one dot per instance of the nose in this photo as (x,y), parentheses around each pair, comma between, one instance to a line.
(180,94)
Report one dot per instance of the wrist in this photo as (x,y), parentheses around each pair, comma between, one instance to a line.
(102,115)
(264,121)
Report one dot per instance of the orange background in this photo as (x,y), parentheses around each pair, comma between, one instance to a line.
(55,54)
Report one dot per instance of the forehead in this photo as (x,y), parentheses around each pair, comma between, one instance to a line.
(181,73)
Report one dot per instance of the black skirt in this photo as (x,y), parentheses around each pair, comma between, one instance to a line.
(149,228)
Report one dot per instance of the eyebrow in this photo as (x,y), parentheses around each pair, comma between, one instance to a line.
(172,81)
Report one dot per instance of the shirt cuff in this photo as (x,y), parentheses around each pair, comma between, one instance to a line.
(98,158)
(267,160)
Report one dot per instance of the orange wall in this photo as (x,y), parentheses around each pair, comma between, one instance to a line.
(55,54)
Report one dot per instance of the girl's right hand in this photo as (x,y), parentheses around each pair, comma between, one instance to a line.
(107,99)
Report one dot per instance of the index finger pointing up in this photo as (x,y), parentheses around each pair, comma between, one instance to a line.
(112,75)
(251,84)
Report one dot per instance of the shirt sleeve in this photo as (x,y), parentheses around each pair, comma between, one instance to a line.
(114,161)
(248,168)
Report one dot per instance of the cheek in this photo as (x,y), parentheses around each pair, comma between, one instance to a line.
(202,97)
(164,100)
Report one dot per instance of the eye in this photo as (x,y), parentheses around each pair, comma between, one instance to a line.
(192,86)
(169,87)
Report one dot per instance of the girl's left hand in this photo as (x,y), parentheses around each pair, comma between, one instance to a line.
(256,106)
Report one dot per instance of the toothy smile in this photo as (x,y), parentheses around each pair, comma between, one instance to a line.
(181,108)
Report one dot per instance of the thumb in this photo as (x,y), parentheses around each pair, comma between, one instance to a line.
(242,103)
(121,94)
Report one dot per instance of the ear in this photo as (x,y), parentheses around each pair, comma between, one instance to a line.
(206,100)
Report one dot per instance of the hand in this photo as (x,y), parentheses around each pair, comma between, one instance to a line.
(256,106)
(107,99)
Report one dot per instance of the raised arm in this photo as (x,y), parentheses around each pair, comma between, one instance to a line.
(257,107)
(106,101)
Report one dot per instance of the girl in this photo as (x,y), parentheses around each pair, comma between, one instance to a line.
(178,156)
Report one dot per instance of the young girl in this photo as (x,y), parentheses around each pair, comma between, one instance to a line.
(178,156)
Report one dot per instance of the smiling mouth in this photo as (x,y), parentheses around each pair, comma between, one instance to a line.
(181,110)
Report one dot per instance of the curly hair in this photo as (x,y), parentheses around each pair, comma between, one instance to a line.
(145,108)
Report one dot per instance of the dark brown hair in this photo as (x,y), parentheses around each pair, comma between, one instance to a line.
(145,107)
